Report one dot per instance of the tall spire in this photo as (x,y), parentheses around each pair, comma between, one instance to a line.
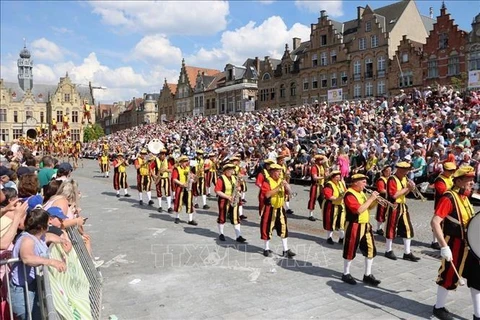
(25,65)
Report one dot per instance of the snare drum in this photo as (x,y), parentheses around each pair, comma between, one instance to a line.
(473,235)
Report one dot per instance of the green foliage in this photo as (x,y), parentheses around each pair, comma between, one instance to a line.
(459,83)
(92,132)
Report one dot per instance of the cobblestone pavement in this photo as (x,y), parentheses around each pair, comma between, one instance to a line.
(155,269)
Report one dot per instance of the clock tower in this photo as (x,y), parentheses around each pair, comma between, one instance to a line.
(25,65)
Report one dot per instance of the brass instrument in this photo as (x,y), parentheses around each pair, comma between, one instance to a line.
(191,178)
(417,194)
(382,201)
(236,193)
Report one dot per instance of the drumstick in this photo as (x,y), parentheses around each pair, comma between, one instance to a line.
(461,282)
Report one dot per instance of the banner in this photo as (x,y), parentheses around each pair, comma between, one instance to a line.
(474,79)
(335,95)
(70,289)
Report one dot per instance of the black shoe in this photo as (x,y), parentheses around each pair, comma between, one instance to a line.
(242,217)
(379,232)
(410,257)
(475,318)
(289,254)
(118,195)
(170,210)
(221,237)
(140,202)
(244,201)
(267,253)
(289,211)
(160,209)
(150,202)
(371,280)
(127,195)
(196,206)
(340,240)
(330,241)
(443,313)
(347,278)
(206,207)
(241,239)
(193,223)
(209,195)
(177,220)
(312,218)
(435,246)
(390,255)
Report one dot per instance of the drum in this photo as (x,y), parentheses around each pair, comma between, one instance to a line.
(473,235)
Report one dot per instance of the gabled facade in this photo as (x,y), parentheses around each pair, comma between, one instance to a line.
(166,102)
(406,67)
(268,84)
(444,52)
(473,46)
(202,92)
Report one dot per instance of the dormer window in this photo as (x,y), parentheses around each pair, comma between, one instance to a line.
(368,26)
(230,74)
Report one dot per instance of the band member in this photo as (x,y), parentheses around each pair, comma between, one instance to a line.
(228,192)
(86,112)
(199,188)
(333,207)
(76,153)
(286,176)
(182,181)
(240,174)
(317,174)
(454,211)
(120,175)
(443,182)
(162,180)
(358,230)
(381,185)
(144,179)
(210,172)
(273,216)
(104,164)
(398,219)
(261,177)
(54,124)
(65,122)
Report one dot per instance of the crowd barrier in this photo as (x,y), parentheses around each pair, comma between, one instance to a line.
(74,294)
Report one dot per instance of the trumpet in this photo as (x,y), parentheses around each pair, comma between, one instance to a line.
(382,201)
(416,193)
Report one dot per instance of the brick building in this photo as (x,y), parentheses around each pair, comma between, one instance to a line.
(166,102)
(406,67)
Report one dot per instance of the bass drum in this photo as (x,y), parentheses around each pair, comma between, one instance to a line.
(473,235)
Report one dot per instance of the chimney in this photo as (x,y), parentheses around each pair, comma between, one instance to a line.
(323,14)
(296,43)
(431,12)
(360,12)
(257,64)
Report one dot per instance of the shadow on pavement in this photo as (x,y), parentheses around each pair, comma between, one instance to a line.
(316,239)
(109,193)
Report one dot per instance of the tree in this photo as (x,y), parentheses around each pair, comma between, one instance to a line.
(92,132)
(459,83)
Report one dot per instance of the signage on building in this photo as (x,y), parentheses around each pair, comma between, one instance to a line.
(474,79)
(335,95)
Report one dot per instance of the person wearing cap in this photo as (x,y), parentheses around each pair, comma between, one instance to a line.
(182,180)
(273,215)
(64,170)
(199,187)
(452,215)
(144,179)
(55,226)
(398,219)
(358,230)
(261,177)
(104,163)
(240,173)
(317,173)
(161,178)
(226,189)
(333,208)
(210,172)
(381,186)
(120,175)
(285,175)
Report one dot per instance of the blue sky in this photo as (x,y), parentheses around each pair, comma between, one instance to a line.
(131,47)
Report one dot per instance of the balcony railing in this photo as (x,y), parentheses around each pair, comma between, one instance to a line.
(368,75)
(381,73)
(357,76)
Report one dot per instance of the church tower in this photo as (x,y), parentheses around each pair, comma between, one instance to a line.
(25,65)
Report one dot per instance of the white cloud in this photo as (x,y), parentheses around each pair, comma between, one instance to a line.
(166,17)
(157,49)
(44,49)
(333,7)
(62,30)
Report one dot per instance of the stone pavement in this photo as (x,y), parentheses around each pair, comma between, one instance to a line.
(155,269)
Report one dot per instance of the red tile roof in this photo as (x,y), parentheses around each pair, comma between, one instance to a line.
(193,71)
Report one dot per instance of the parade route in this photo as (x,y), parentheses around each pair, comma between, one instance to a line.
(155,269)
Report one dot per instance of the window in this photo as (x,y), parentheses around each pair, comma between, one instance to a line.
(59,116)
(266,76)
(17,133)
(333,79)
(4,135)
(305,84)
(75,134)
(74,116)
(323,40)
(357,91)
(374,41)
(314,83)
(432,70)
(369,89)
(272,94)
(314,60)
(15,116)
(368,68)
(264,95)
(282,91)
(207,104)
(474,60)
(293,89)
(453,65)
(443,41)
(404,57)
(239,105)
(368,26)
(214,106)
(344,77)
(323,59)
(361,44)
(67,97)
(29,114)
(323,80)
(333,56)
(357,69)
(286,69)
(230,104)
(405,79)
(381,87)
(381,66)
